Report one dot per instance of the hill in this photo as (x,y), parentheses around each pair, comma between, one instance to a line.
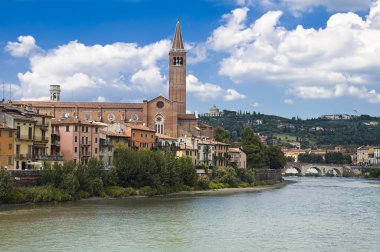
(323,131)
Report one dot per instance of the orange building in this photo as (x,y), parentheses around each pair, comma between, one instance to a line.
(7,146)
(141,137)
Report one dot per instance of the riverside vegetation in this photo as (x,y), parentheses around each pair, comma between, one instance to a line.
(144,173)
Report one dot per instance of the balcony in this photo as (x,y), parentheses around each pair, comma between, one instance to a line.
(49,158)
(85,143)
(42,125)
(55,143)
(23,156)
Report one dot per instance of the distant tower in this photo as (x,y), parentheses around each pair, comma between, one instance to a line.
(55,92)
(177,71)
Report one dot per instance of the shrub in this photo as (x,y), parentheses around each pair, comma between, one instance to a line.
(5,185)
(217,185)
(203,182)
(97,186)
(119,192)
(227,176)
(147,191)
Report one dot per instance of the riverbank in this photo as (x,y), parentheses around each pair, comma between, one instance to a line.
(227,191)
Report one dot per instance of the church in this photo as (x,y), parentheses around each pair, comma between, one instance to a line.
(164,115)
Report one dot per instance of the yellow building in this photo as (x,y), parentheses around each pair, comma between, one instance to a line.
(33,133)
(7,142)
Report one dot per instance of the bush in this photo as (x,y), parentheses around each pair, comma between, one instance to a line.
(217,185)
(227,176)
(147,191)
(5,185)
(203,182)
(97,187)
(38,194)
(119,192)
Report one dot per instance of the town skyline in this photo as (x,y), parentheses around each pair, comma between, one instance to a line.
(264,56)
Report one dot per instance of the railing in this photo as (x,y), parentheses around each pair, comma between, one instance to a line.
(85,143)
(49,158)
(23,156)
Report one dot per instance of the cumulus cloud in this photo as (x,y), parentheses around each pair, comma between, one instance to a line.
(298,7)
(25,46)
(206,91)
(79,67)
(308,62)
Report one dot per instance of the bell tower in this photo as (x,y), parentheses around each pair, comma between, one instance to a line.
(177,71)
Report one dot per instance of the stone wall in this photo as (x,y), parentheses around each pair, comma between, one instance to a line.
(267,174)
(26,178)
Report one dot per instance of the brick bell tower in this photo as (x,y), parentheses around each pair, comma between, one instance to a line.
(177,71)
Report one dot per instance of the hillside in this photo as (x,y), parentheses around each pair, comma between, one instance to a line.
(357,130)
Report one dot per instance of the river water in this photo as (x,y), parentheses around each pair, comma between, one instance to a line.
(314,214)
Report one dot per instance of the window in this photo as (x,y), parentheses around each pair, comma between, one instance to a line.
(111,117)
(18,132)
(76,128)
(96,140)
(76,139)
(146,135)
(133,134)
(96,150)
(76,149)
(159,122)
(10,146)
(134,118)
(82,140)
(10,160)
(30,135)
(86,128)
(0,132)
(141,134)
(160,104)
(96,130)
(10,133)
(67,128)
(151,136)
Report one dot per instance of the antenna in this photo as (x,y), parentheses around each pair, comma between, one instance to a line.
(3,91)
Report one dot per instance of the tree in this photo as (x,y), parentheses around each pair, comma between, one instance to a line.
(5,185)
(222,135)
(276,158)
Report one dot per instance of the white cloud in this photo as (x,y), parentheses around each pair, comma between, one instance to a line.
(78,67)
(308,92)
(196,52)
(207,91)
(233,95)
(289,101)
(310,62)
(25,46)
(301,6)
(101,99)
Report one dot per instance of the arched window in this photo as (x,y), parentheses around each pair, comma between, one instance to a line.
(159,124)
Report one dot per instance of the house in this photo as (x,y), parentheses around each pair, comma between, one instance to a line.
(7,143)
(79,139)
(141,137)
(238,157)
(108,140)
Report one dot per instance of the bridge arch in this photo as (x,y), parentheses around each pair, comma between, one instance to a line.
(313,171)
(333,172)
(293,171)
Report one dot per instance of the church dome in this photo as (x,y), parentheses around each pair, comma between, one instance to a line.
(214,110)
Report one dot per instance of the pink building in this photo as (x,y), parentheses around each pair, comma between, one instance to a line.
(238,156)
(79,139)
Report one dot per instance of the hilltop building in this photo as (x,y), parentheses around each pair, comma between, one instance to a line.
(165,116)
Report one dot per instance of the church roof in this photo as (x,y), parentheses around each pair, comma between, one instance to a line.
(177,40)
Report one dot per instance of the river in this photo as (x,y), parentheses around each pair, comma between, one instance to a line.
(314,214)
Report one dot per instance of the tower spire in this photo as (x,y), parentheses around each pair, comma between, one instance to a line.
(177,40)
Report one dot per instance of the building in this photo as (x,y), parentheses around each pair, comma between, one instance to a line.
(221,154)
(165,116)
(79,139)
(108,140)
(7,143)
(238,157)
(213,112)
(141,137)
(365,155)
(32,143)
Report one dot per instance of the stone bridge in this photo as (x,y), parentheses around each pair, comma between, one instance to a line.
(303,169)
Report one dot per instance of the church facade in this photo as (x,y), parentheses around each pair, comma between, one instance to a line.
(164,115)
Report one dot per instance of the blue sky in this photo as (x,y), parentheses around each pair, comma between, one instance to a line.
(285,57)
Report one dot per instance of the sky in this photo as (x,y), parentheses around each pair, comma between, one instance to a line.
(289,58)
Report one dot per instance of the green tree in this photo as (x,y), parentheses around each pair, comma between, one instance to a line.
(276,158)
(222,135)
(5,185)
